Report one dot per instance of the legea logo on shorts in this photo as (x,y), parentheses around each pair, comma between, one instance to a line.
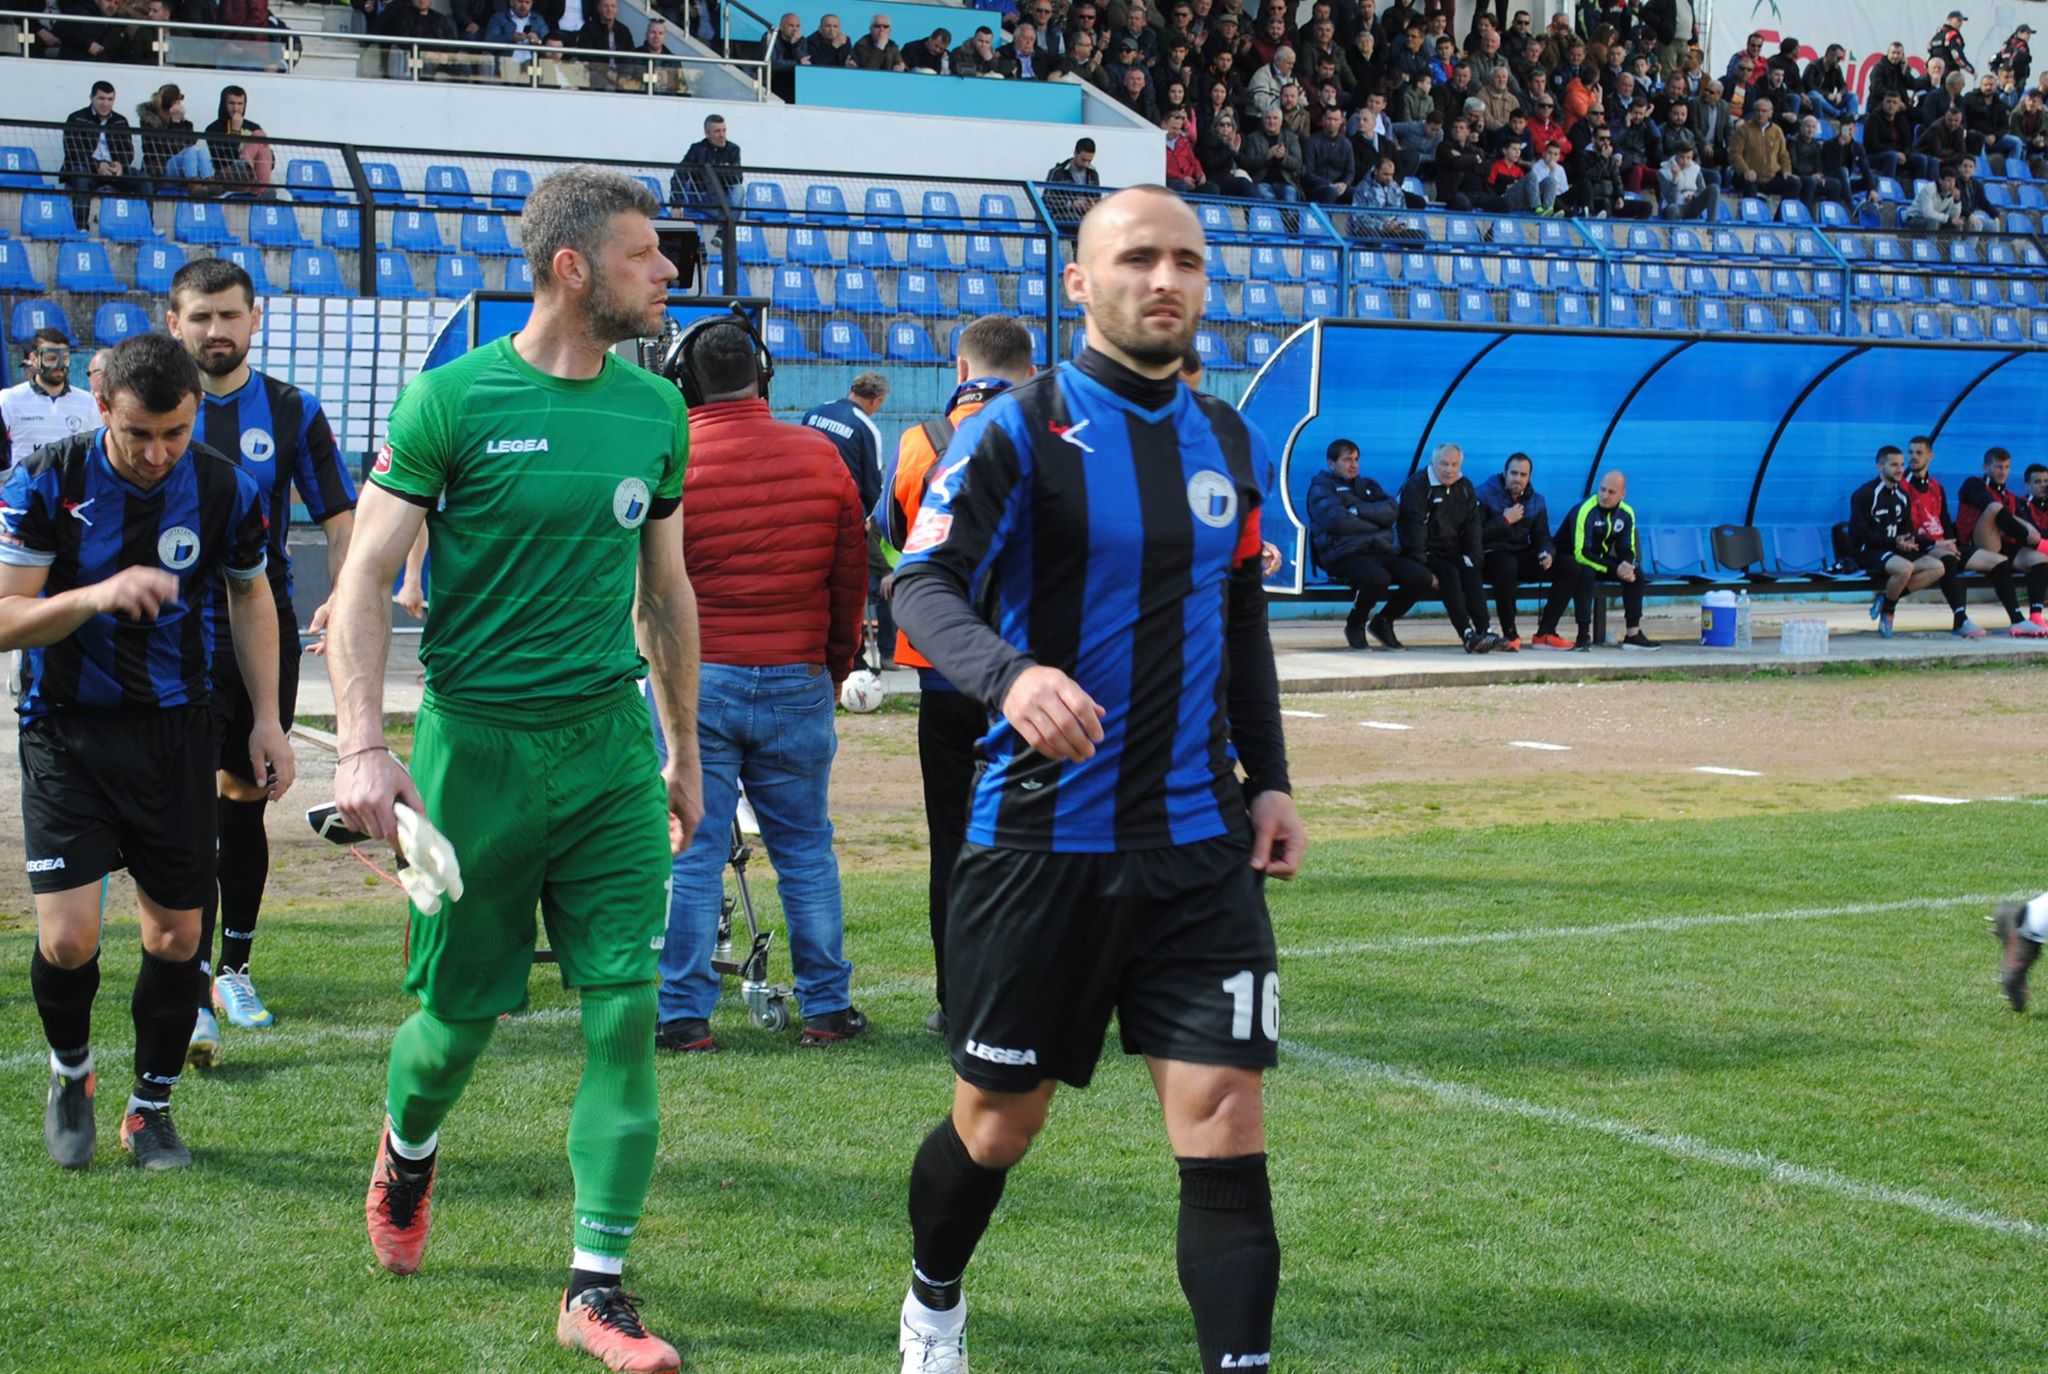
(45,865)
(629,503)
(178,549)
(1001,1054)
(1212,498)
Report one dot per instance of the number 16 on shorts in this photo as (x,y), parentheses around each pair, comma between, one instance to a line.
(1248,993)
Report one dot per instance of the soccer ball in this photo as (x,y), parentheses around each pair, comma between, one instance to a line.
(861,692)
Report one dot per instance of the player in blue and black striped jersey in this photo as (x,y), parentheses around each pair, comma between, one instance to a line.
(1086,564)
(109,546)
(279,436)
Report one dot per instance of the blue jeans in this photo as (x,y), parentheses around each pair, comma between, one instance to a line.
(192,162)
(1266,190)
(772,729)
(1828,109)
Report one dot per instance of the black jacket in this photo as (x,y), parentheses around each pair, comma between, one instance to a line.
(1598,538)
(1346,518)
(82,130)
(1531,533)
(1878,515)
(1441,521)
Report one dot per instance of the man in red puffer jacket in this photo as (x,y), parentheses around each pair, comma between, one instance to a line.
(773,536)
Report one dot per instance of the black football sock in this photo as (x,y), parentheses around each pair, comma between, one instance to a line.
(164,1010)
(208,910)
(244,867)
(951,1200)
(64,1000)
(1229,1259)
(2037,586)
(2007,590)
(1891,604)
(581,1280)
(1960,616)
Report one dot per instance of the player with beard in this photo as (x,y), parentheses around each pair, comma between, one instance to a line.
(280,437)
(1927,503)
(1114,858)
(550,475)
(45,407)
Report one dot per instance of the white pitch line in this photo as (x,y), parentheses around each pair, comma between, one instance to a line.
(1933,801)
(1383,725)
(1728,772)
(1680,1146)
(1538,744)
(1732,918)
(1303,715)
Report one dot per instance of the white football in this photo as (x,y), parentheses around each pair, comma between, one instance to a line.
(861,692)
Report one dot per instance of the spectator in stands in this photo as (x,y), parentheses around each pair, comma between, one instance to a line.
(518,24)
(1978,213)
(934,53)
(1440,527)
(649,71)
(1023,59)
(1600,183)
(1500,98)
(1515,525)
(1352,532)
(1947,43)
(1846,174)
(140,49)
(1808,163)
(1507,175)
(691,183)
(1052,39)
(1713,125)
(1543,125)
(1134,93)
(1139,31)
(1581,94)
(1757,152)
(1415,146)
(1676,131)
(1218,149)
(828,47)
(1786,105)
(1946,94)
(1083,63)
(786,52)
(43,407)
(99,151)
(171,150)
(413,19)
(1596,543)
(1328,173)
(1263,91)
(1936,205)
(2030,125)
(91,42)
(1987,120)
(1418,99)
(1078,170)
(606,44)
(1460,184)
(241,153)
(1637,145)
(877,51)
(1883,542)
(1888,136)
(1294,114)
(1893,77)
(1458,96)
(977,56)
(98,365)
(1183,167)
(1827,85)
(1271,157)
(1943,144)
(1742,66)
(1382,191)
(1082,18)
(1547,183)
(1927,505)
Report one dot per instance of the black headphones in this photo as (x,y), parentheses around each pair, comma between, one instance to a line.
(676,345)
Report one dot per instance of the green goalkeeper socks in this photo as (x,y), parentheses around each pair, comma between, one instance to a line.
(612,1128)
(431,1063)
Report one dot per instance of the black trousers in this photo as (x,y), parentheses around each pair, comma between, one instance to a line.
(1373,575)
(1575,583)
(948,724)
(1459,588)
(1507,570)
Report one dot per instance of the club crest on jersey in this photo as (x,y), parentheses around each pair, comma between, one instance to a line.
(1212,498)
(258,446)
(178,549)
(629,502)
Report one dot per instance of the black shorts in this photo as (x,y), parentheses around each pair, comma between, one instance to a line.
(231,698)
(1874,562)
(1041,948)
(102,790)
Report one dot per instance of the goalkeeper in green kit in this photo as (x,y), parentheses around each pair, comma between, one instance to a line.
(549,475)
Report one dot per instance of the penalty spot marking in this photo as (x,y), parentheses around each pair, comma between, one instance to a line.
(1728,772)
(1302,715)
(1538,744)
(1679,1146)
(1382,725)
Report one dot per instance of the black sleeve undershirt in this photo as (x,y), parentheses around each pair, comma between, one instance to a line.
(1254,693)
(933,611)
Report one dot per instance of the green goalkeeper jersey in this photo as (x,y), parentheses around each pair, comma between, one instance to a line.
(537,490)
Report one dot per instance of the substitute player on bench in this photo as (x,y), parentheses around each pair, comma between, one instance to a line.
(110,542)
(550,475)
(280,437)
(1113,858)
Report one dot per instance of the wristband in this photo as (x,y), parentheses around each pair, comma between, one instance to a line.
(367,749)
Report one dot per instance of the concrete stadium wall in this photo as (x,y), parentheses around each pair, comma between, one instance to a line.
(495,119)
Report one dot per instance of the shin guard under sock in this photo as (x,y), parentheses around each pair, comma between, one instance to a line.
(64,1000)
(612,1127)
(431,1063)
(951,1201)
(1229,1259)
(164,1009)
(244,868)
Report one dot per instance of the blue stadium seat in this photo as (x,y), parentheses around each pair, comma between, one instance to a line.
(2000,255)
(20,169)
(979,294)
(155,265)
(1758,318)
(1999,196)
(1787,284)
(272,225)
(1373,303)
(1574,312)
(316,272)
(16,274)
(1867,286)
(1792,211)
(1217,305)
(785,341)
(1214,352)
(1426,304)
(1322,264)
(2038,328)
(83,267)
(750,241)
(1262,304)
(1743,282)
(341,227)
(1666,313)
(1467,270)
(1461,229)
(2031,198)
(795,289)
(714,281)
(310,181)
(1266,220)
(1799,550)
(1676,551)
(1766,244)
(448,188)
(1926,325)
(1713,316)
(510,186)
(1885,248)
(384,183)
(485,237)
(1827,284)
(1259,349)
(1268,264)
(1215,219)
(869,248)
(1945,291)
(1038,349)
(1965,329)
(1621,311)
(1420,269)
(2026,295)
(1687,241)
(941,211)
(1905,288)
(883,207)
(928,250)
(1031,297)
(1885,323)
(1699,281)
(118,320)
(45,216)
(1834,214)
(809,247)
(31,315)
(126,219)
(1034,256)
(1962,254)
(998,211)
(1320,300)
(1568,276)
(985,253)
(845,343)
(1890,192)
(250,260)
(2006,330)
(394,277)
(917,293)
(825,202)
(764,201)
(1555,237)
(1926,252)
(908,343)
(456,275)
(518,275)
(1370,266)
(417,231)
(1524,308)
(1656,280)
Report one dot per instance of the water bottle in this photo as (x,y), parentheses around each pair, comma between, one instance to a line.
(1742,640)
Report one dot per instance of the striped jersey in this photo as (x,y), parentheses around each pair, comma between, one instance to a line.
(66,509)
(1100,538)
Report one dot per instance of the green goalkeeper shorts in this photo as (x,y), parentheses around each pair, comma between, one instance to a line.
(558,806)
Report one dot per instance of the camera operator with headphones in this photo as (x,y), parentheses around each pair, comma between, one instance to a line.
(773,536)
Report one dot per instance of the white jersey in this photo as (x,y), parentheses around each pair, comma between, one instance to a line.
(32,418)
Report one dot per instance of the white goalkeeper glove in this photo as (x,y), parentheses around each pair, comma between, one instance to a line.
(431,869)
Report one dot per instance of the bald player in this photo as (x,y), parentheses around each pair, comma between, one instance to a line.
(1114,859)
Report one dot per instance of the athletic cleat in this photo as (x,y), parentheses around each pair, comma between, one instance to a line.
(605,1322)
(936,1022)
(1382,629)
(1583,645)
(833,1027)
(1552,641)
(1884,626)
(1637,640)
(397,1209)
(2030,629)
(68,1128)
(152,1138)
(1969,629)
(204,1050)
(2018,953)
(685,1036)
(1877,606)
(234,996)
(930,1349)
(1511,645)
(2039,618)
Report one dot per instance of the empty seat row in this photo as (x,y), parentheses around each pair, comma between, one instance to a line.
(882,207)
(808,246)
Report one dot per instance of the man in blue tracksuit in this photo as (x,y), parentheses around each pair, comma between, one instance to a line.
(848,423)
(1514,521)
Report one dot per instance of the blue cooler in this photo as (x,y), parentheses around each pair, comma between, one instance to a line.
(1717,620)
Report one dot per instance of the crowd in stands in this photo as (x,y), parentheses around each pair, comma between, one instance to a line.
(102,150)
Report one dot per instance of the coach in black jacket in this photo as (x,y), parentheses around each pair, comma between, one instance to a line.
(1351,531)
(1440,525)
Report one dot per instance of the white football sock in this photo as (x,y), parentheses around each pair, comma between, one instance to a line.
(59,1067)
(596,1263)
(405,1150)
(2034,924)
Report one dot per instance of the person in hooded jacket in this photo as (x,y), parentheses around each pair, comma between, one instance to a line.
(1514,523)
(1351,532)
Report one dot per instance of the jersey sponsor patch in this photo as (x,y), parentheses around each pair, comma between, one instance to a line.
(930,531)
(629,503)
(178,548)
(1212,498)
(383,460)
